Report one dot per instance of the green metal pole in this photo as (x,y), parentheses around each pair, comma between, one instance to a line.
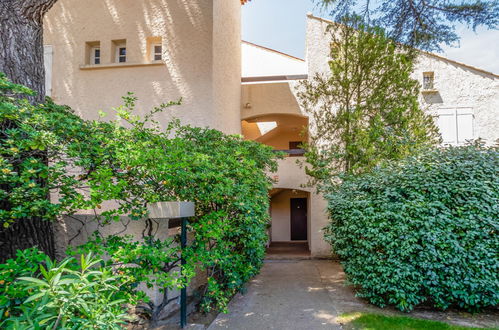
(183,291)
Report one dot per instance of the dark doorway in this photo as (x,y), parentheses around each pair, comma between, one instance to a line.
(298,219)
(296,149)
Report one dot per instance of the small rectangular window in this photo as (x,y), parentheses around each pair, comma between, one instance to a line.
(157,52)
(428,80)
(92,52)
(122,54)
(154,50)
(96,55)
(119,51)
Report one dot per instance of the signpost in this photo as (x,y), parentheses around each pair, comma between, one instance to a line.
(182,211)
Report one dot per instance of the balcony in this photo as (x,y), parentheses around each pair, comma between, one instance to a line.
(290,174)
(292,152)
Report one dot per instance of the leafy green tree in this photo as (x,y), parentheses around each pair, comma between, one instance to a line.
(365,110)
(421,23)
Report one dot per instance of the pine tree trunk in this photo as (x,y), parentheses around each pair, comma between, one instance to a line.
(21,59)
(26,233)
(21,40)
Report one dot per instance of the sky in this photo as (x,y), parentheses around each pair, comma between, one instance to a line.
(280,24)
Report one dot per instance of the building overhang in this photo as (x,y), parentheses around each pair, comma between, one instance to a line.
(272,79)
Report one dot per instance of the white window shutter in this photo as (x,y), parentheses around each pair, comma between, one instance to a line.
(464,125)
(447,125)
(47,59)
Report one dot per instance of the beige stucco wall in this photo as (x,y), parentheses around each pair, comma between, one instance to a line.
(286,128)
(201,58)
(280,140)
(290,175)
(227,65)
(457,85)
(276,98)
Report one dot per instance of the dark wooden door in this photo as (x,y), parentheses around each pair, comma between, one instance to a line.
(298,219)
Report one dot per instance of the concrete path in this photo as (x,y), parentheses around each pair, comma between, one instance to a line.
(311,294)
(287,294)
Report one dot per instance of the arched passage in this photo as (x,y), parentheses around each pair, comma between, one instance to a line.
(280,131)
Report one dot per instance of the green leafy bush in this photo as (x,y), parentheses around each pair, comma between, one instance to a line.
(151,262)
(12,293)
(69,294)
(423,230)
(224,175)
(135,162)
(29,136)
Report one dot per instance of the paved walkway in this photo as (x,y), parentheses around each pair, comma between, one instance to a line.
(288,294)
(309,295)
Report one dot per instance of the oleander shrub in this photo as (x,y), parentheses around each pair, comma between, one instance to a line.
(423,230)
(39,293)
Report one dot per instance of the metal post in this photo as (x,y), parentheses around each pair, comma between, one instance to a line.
(183,291)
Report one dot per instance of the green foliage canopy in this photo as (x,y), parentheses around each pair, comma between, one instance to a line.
(422,230)
(424,24)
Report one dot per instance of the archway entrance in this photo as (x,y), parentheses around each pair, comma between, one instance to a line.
(290,226)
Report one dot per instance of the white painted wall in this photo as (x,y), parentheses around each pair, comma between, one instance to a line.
(461,87)
(457,85)
(259,61)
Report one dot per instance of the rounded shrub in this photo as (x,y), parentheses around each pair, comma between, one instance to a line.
(423,230)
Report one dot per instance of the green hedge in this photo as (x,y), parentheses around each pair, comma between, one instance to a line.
(423,230)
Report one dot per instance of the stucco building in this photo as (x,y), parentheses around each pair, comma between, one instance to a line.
(165,50)
(161,50)
(463,99)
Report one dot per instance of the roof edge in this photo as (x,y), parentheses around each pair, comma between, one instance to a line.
(273,50)
(311,16)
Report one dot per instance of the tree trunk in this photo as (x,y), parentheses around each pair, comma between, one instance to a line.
(26,233)
(21,40)
(21,59)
